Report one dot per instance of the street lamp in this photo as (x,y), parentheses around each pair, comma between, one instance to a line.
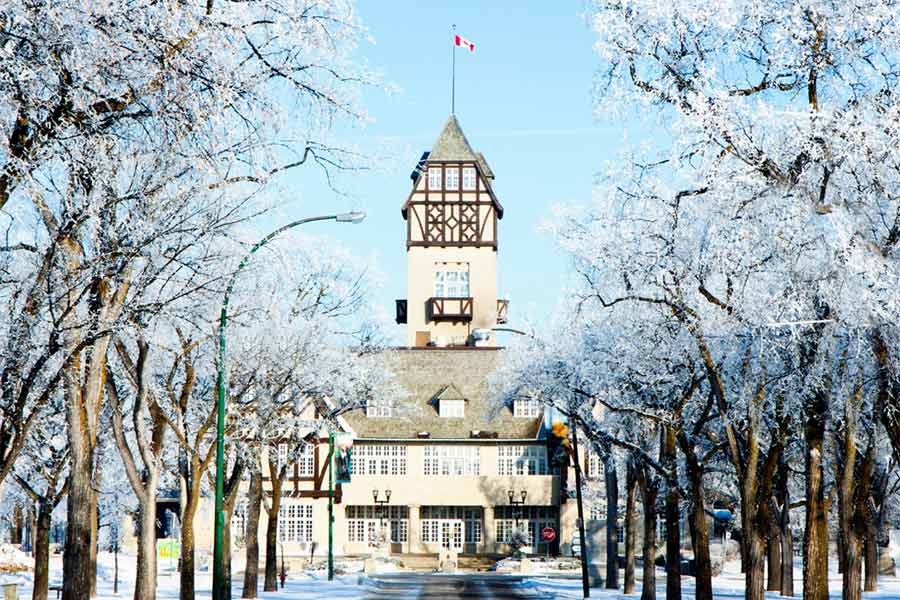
(219,591)
(515,503)
(381,505)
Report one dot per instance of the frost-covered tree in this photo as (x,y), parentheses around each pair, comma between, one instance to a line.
(124,130)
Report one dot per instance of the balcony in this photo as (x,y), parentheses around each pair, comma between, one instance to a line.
(502,310)
(401,311)
(448,309)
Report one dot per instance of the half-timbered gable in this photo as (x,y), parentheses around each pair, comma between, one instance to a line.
(452,202)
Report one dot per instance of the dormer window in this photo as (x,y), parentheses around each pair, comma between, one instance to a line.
(452,174)
(434,178)
(468,178)
(379,407)
(526,407)
(454,409)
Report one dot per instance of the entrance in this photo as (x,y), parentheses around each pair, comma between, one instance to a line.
(452,534)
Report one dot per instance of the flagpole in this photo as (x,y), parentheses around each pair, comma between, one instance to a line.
(453,70)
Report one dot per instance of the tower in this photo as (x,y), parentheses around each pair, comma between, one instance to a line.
(451,219)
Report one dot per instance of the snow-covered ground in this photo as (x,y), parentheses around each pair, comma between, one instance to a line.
(355,585)
(312,586)
(730,584)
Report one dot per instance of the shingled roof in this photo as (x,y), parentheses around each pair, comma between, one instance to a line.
(429,374)
(452,145)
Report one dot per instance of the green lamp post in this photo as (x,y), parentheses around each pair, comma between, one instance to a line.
(219,591)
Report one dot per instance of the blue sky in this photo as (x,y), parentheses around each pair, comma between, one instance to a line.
(523,98)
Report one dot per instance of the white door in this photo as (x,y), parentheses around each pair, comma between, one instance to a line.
(452,534)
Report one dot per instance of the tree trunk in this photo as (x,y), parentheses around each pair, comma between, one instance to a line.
(145,578)
(756,566)
(871,553)
(852,574)
(187,543)
(787,552)
(773,559)
(673,517)
(77,564)
(699,525)
(612,524)
(270,584)
(649,492)
(251,573)
(630,523)
(95,539)
(42,551)
(815,537)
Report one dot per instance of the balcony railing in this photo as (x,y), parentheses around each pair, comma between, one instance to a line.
(401,311)
(449,309)
(502,310)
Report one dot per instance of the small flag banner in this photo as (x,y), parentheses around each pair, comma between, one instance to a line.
(461,41)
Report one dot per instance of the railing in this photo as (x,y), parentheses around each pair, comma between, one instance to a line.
(449,309)
(401,311)
(502,310)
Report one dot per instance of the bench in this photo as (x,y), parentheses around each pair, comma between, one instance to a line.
(56,588)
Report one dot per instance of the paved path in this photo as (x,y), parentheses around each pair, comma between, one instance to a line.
(439,587)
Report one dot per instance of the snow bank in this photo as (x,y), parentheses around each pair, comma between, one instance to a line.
(13,560)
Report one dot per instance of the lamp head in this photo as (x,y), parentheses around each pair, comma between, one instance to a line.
(355,216)
(387,493)
(510,493)
(524,493)
(375,495)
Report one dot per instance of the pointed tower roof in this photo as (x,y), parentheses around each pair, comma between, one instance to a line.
(452,144)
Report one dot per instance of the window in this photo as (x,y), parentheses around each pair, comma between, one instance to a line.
(378,459)
(239,521)
(434,178)
(306,461)
(451,284)
(453,408)
(379,407)
(522,460)
(526,407)
(435,517)
(598,511)
(469,178)
(365,522)
(620,533)
(531,518)
(452,174)
(595,465)
(281,456)
(295,523)
(452,460)
(661,533)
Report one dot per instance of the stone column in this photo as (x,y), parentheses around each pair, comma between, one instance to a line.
(490,533)
(415,527)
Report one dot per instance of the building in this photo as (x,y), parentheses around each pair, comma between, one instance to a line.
(448,456)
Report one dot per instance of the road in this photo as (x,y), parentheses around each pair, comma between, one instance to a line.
(441,587)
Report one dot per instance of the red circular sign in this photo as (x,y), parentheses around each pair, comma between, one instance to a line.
(548,534)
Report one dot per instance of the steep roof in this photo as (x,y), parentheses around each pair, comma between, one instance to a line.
(452,144)
(433,374)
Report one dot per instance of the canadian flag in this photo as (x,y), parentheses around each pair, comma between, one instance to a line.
(461,41)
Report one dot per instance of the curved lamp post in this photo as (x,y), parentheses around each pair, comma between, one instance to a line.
(219,591)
